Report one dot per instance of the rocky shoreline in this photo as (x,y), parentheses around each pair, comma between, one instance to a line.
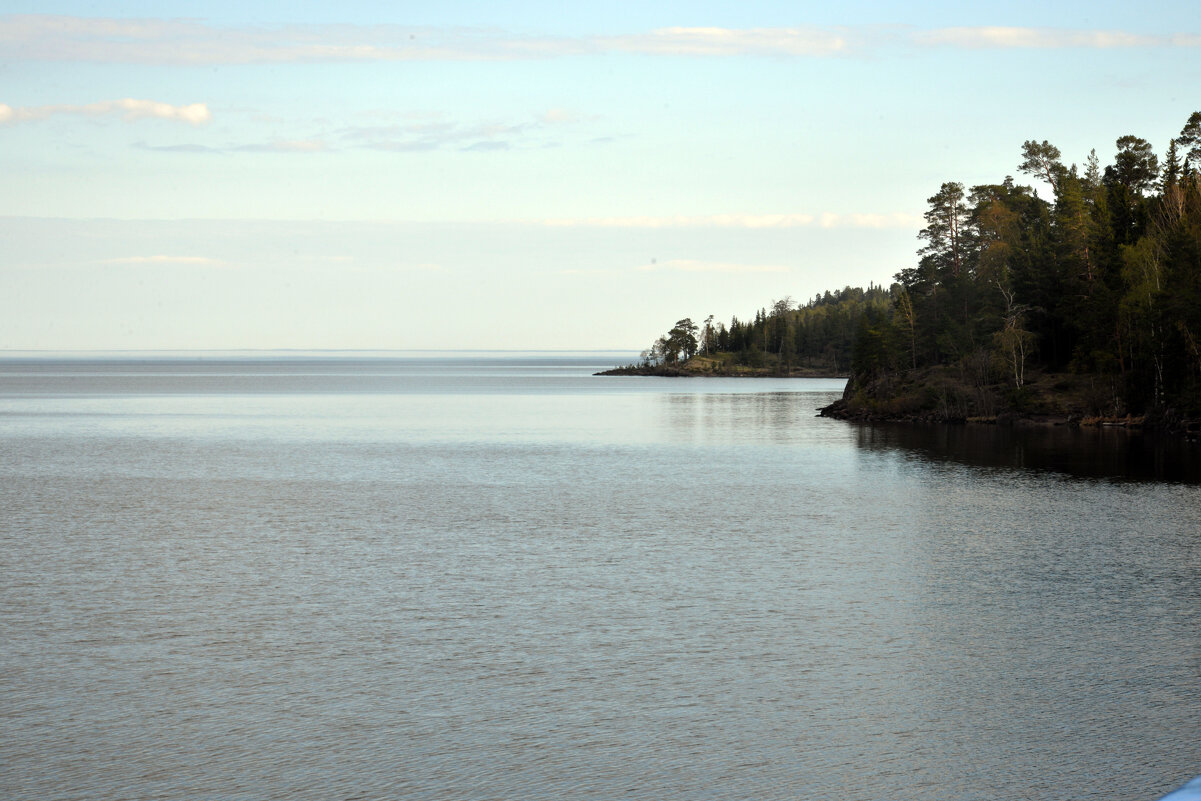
(1049,401)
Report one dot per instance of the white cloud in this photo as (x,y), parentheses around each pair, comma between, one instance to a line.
(1044,38)
(824,220)
(36,37)
(156,41)
(127,108)
(893,220)
(200,261)
(692,266)
(731,42)
(555,116)
(43,37)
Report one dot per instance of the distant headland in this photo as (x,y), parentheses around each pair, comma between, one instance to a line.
(814,340)
(723,365)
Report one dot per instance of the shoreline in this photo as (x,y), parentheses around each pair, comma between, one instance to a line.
(735,371)
(1188,430)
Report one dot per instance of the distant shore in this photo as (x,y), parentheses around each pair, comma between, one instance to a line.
(707,367)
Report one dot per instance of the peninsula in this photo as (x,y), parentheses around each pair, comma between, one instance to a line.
(812,340)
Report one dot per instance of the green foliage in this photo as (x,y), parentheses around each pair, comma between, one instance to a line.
(1042,161)
(1190,140)
(678,344)
(816,335)
(1103,280)
(1135,165)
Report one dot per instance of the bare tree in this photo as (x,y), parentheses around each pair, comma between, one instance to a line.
(1014,340)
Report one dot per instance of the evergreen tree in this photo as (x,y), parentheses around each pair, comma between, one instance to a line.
(1042,160)
(1190,138)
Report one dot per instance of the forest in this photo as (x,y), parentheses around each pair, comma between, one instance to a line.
(783,339)
(1085,303)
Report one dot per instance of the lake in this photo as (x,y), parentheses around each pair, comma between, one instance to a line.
(486,576)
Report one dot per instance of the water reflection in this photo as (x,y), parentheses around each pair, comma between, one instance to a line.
(1081,452)
(746,418)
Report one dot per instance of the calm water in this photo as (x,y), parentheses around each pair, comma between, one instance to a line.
(504,578)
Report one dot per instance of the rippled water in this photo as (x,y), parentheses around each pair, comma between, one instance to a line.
(482,578)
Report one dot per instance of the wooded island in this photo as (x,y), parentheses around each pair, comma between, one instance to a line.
(1083,308)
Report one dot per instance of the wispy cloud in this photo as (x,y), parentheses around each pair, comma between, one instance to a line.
(805,41)
(127,108)
(485,146)
(556,116)
(599,272)
(1036,38)
(436,133)
(350,264)
(274,146)
(418,135)
(195,261)
(284,146)
(823,220)
(434,136)
(35,37)
(691,266)
(180,148)
(892,220)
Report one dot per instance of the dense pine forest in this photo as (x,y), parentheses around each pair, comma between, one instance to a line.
(1087,303)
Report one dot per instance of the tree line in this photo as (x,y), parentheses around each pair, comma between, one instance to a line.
(1101,279)
(818,334)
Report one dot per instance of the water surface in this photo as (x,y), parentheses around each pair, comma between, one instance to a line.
(502,577)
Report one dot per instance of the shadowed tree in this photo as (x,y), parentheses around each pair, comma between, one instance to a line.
(907,320)
(1190,141)
(1127,180)
(1135,166)
(1171,167)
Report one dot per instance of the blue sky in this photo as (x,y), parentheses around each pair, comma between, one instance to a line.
(521,175)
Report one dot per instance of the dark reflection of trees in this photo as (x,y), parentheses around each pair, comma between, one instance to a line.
(1083,452)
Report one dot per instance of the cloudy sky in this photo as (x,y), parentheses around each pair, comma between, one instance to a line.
(520,175)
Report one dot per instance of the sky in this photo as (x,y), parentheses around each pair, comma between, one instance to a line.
(522,175)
